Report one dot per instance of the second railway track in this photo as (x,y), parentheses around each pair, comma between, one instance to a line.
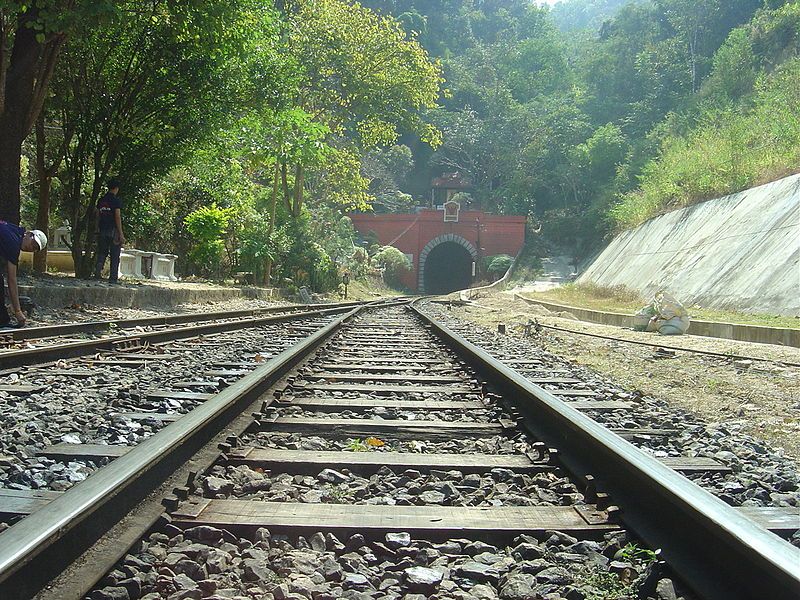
(384,456)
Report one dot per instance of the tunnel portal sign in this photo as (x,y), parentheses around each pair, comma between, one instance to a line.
(451,210)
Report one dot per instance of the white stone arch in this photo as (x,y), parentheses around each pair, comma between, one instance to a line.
(423,256)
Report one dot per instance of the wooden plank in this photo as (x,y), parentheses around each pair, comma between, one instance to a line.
(175,395)
(600,405)
(24,502)
(79,373)
(85,451)
(392,428)
(195,384)
(779,519)
(387,340)
(384,378)
(372,368)
(427,521)
(522,361)
(151,416)
(381,348)
(384,389)
(644,432)
(113,362)
(357,403)
(144,356)
(225,373)
(312,460)
(339,359)
(21,389)
(573,393)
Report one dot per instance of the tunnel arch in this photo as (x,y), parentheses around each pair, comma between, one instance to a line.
(449,239)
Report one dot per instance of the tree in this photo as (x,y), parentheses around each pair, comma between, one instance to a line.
(360,76)
(136,97)
(208,227)
(32,35)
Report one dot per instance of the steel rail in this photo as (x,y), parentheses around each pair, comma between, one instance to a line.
(31,356)
(720,553)
(83,513)
(667,347)
(50,331)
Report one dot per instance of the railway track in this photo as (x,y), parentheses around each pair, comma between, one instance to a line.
(33,345)
(383,456)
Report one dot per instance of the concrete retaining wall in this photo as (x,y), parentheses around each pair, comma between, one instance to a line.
(139,296)
(740,252)
(728,331)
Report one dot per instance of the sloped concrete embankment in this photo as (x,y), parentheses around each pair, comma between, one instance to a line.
(740,252)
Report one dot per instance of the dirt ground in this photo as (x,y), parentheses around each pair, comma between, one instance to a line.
(758,398)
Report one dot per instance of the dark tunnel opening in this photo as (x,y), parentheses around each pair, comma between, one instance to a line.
(448,268)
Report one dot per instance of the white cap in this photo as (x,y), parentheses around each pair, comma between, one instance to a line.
(40,238)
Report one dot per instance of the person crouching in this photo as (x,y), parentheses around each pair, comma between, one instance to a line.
(13,240)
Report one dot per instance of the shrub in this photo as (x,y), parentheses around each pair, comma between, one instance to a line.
(394,263)
(499,264)
(208,226)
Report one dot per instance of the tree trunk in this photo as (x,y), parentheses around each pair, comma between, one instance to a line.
(10,158)
(298,190)
(43,221)
(45,183)
(285,182)
(274,204)
(28,73)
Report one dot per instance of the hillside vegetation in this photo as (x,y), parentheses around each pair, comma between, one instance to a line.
(596,115)
(244,131)
(745,130)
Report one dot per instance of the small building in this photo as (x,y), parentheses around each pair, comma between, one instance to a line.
(444,187)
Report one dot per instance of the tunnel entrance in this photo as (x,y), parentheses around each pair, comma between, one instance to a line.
(448,268)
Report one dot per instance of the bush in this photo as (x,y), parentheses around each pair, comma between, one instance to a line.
(208,226)
(394,263)
(499,264)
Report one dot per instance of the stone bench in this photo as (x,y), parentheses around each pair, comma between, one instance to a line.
(139,264)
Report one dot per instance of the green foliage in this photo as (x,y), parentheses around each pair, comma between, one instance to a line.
(356,445)
(731,149)
(499,264)
(362,71)
(257,246)
(394,263)
(604,585)
(574,15)
(208,226)
(633,552)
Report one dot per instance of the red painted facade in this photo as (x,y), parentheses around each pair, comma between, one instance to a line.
(480,233)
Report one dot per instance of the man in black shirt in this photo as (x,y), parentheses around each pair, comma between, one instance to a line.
(109,226)
(13,239)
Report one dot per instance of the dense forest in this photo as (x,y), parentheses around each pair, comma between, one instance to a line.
(245,130)
(650,106)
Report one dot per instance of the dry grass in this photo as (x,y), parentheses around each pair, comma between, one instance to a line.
(761,400)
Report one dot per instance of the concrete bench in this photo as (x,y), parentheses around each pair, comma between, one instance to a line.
(140,264)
